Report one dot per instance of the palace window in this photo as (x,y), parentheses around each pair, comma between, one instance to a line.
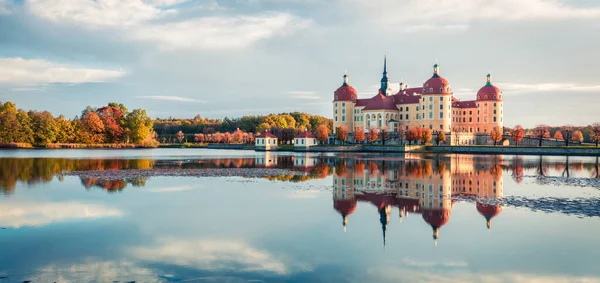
(343,104)
(494,119)
(442,106)
(336,118)
(441,98)
(430,106)
(406,116)
(441,115)
(494,104)
(494,111)
(470,119)
(430,115)
(431,99)
(406,108)
(430,89)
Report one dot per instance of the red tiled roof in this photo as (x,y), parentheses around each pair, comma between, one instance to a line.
(381,102)
(345,93)
(306,135)
(464,104)
(489,92)
(266,134)
(436,82)
(411,91)
(362,102)
(406,99)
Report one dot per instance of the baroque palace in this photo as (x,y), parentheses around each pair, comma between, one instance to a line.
(431,106)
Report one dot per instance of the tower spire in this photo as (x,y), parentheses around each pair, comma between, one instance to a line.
(489,79)
(385,88)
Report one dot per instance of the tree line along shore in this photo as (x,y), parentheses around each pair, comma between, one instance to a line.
(114,126)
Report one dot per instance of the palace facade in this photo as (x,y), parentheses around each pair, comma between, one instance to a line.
(431,106)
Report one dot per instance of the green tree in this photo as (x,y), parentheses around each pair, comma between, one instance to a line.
(46,128)
(138,126)
(66,132)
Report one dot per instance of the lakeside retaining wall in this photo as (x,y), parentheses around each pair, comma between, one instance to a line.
(516,150)
(576,151)
(229,146)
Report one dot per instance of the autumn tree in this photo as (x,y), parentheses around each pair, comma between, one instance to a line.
(577,136)
(595,133)
(541,132)
(112,119)
(567,133)
(66,131)
(496,135)
(372,135)
(517,134)
(558,136)
(341,134)
(322,133)
(425,135)
(92,127)
(359,135)
(199,138)
(440,138)
(413,134)
(238,136)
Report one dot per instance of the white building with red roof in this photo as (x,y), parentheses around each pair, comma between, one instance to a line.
(265,141)
(305,140)
(431,106)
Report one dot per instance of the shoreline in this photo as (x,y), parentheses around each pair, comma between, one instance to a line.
(200,172)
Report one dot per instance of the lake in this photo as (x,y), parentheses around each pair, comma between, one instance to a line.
(298,217)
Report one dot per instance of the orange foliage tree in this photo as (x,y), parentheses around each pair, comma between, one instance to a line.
(199,138)
(558,135)
(440,138)
(413,134)
(496,135)
(372,135)
(322,133)
(578,136)
(238,136)
(341,134)
(425,135)
(359,135)
(517,134)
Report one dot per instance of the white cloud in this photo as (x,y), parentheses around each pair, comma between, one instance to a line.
(137,20)
(517,87)
(464,11)
(18,214)
(93,270)
(99,13)
(166,3)
(33,71)
(170,98)
(304,94)
(427,27)
(218,32)
(211,254)
(459,273)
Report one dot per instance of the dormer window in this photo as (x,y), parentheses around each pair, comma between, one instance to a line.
(430,89)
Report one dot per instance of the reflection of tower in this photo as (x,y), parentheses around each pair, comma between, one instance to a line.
(384,218)
(344,200)
(436,218)
(488,211)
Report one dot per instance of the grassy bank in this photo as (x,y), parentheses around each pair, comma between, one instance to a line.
(70,146)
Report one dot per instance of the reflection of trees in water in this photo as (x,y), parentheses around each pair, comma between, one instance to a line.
(517,169)
(112,185)
(41,170)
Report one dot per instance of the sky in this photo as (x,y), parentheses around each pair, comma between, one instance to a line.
(181,58)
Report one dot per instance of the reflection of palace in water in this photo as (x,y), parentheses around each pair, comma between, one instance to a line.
(418,186)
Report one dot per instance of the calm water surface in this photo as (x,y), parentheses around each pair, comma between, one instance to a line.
(333,218)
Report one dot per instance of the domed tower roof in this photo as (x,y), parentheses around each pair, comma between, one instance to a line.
(436,218)
(488,211)
(345,207)
(437,84)
(489,91)
(345,92)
